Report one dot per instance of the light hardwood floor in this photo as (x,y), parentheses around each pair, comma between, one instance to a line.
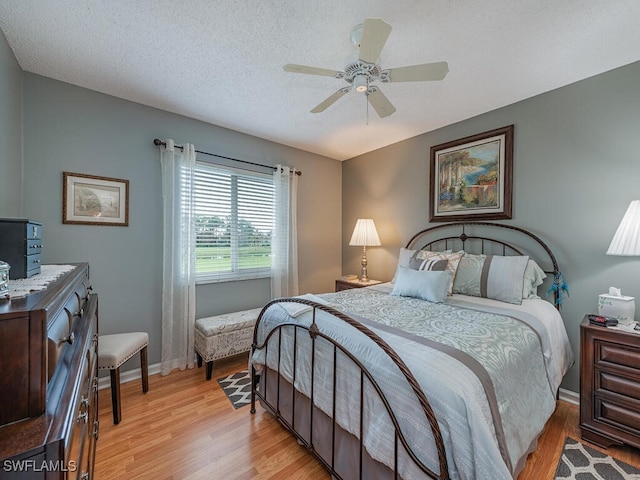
(185,428)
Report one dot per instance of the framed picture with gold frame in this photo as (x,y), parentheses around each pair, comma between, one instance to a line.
(471,178)
(93,200)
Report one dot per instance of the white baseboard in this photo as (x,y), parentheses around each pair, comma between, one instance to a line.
(569,396)
(128,376)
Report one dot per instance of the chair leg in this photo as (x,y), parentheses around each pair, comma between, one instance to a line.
(144,366)
(199,359)
(209,369)
(115,395)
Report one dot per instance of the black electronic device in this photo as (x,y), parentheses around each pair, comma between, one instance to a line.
(602,321)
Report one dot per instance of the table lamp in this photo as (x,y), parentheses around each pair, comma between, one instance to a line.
(626,242)
(365,235)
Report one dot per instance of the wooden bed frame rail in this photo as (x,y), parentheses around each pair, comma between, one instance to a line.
(314,333)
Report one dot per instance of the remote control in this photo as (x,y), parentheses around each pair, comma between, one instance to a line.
(602,321)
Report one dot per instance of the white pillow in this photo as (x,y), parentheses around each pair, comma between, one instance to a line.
(533,277)
(427,285)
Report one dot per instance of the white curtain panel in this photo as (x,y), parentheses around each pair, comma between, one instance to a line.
(178,262)
(284,242)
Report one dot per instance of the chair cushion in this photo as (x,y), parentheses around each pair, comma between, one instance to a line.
(114,350)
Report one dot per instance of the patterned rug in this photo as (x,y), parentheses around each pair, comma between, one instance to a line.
(579,462)
(237,387)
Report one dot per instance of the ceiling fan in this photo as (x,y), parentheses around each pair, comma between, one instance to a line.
(369,38)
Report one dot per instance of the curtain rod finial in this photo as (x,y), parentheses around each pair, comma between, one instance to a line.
(157,142)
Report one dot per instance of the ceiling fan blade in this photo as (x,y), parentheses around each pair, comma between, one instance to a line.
(380,102)
(322,106)
(417,73)
(291,67)
(374,35)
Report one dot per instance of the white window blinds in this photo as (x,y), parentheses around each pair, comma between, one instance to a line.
(234,214)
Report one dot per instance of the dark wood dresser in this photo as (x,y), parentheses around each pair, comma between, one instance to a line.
(48,382)
(609,386)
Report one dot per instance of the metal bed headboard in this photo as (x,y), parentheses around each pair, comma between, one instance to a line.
(467,236)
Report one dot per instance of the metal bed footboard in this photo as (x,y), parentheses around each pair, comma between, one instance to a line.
(314,332)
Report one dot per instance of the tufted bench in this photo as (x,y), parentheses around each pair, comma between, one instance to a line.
(224,335)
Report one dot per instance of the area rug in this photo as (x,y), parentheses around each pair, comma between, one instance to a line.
(237,387)
(579,462)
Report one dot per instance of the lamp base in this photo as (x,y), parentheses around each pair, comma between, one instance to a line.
(363,263)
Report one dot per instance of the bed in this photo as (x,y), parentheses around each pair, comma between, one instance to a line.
(450,371)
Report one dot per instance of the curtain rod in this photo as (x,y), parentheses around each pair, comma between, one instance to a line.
(157,142)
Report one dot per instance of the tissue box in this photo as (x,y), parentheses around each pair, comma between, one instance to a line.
(622,308)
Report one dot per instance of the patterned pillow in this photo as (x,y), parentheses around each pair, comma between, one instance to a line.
(433,260)
(491,276)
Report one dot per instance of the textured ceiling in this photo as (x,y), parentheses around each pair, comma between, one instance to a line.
(221,61)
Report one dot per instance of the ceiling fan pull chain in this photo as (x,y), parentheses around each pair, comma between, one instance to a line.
(366,100)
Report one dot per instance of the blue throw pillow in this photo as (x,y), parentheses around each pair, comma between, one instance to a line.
(427,285)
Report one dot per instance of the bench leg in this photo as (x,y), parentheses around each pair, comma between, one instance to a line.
(209,369)
(199,359)
(144,366)
(115,395)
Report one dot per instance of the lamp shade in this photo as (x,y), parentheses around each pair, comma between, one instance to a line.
(365,234)
(626,241)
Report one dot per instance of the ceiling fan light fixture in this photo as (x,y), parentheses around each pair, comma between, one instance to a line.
(360,83)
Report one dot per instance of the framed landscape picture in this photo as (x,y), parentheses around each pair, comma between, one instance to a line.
(471,178)
(92,200)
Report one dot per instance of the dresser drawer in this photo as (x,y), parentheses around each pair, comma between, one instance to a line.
(33,263)
(610,382)
(617,355)
(34,246)
(58,337)
(617,415)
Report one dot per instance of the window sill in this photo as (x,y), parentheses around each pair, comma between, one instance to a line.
(231,278)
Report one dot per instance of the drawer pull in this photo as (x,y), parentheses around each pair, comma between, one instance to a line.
(69,339)
(79,313)
(85,476)
(36,261)
(83,417)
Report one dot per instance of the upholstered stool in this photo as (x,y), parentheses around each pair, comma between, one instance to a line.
(113,351)
(224,335)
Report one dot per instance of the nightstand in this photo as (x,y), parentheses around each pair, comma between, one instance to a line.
(344,284)
(609,385)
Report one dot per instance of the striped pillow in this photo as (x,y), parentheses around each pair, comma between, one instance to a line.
(491,276)
(436,261)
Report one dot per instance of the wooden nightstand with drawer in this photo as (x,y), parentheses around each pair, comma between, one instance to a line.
(345,283)
(609,385)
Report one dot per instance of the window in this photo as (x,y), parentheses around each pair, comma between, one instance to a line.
(234,215)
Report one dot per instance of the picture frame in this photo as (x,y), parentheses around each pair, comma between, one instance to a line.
(94,200)
(472,178)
